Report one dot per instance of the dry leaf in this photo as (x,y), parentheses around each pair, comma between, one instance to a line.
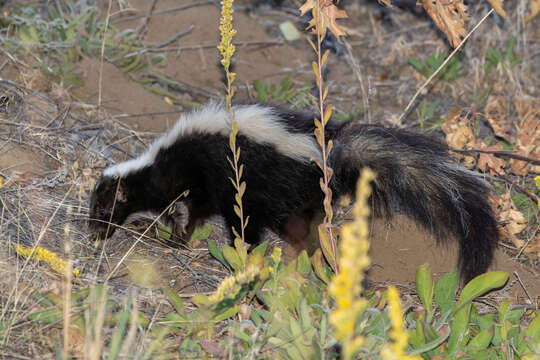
(497,6)
(490,162)
(328,13)
(496,112)
(528,139)
(457,130)
(535,10)
(450,16)
(386,2)
(508,215)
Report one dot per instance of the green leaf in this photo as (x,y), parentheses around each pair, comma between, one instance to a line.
(304,263)
(118,334)
(201,233)
(48,316)
(176,320)
(480,285)
(321,269)
(158,58)
(425,286)
(433,344)
(459,333)
(416,63)
(165,231)
(217,253)
(481,340)
(241,249)
(534,328)
(261,90)
(232,258)
(174,299)
(445,291)
(230,312)
(261,248)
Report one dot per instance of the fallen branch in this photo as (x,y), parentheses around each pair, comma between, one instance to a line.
(503,153)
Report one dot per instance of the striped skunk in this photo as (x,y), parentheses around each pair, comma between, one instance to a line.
(415,174)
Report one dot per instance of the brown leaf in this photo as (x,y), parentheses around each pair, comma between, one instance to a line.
(490,162)
(496,112)
(534,10)
(328,13)
(457,130)
(450,16)
(308,5)
(508,215)
(528,139)
(497,6)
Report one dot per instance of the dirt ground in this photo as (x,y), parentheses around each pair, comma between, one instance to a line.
(379,48)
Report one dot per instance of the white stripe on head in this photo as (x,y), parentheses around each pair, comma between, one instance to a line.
(258,123)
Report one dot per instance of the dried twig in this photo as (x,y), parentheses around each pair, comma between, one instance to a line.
(425,84)
(503,153)
(214,45)
(166,11)
(162,44)
(517,187)
(142,29)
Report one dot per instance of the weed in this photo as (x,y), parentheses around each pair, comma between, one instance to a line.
(425,117)
(449,73)
(283,92)
(506,58)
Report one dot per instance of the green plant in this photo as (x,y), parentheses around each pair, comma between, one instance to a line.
(449,73)
(282,92)
(495,57)
(425,117)
(445,327)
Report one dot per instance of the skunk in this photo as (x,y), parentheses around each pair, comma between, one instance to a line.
(415,174)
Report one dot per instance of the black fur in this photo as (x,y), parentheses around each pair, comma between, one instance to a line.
(414,173)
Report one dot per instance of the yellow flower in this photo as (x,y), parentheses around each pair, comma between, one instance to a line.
(41,254)
(226,48)
(346,287)
(230,286)
(397,334)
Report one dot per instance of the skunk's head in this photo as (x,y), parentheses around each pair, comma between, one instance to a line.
(109,206)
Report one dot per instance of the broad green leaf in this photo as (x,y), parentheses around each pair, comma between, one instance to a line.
(534,328)
(48,316)
(227,313)
(304,263)
(322,271)
(445,291)
(425,286)
(480,285)
(217,253)
(174,299)
(481,340)
(232,258)
(201,233)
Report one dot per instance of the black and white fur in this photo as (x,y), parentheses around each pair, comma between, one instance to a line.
(414,173)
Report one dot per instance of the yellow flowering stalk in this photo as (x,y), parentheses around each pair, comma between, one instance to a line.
(346,286)
(41,254)
(226,49)
(230,286)
(395,351)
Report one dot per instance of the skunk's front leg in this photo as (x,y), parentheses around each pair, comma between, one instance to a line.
(178,218)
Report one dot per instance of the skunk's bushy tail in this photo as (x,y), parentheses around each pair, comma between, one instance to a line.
(416,174)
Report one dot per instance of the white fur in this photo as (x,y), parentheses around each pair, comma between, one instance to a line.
(258,123)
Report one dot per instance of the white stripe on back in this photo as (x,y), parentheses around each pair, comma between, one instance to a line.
(257,122)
